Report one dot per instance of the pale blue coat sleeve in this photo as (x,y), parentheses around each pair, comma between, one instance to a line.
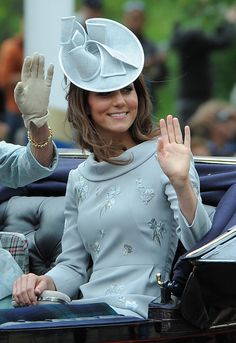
(189,234)
(71,270)
(18,166)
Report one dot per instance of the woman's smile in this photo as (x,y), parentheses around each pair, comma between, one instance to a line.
(119,115)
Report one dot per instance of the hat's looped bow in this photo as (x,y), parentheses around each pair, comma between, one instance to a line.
(90,52)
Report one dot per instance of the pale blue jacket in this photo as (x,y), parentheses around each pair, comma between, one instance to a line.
(127,219)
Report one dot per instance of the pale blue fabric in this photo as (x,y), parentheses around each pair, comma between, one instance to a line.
(18,166)
(10,272)
(127,218)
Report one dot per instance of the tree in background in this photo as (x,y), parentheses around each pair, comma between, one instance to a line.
(208,14)
(162,14)
(10,15)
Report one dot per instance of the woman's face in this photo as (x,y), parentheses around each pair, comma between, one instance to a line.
(113,113)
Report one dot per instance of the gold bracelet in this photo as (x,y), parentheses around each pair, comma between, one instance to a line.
(43,144)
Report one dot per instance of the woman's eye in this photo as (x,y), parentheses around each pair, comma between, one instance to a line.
(103,94)
(127,89)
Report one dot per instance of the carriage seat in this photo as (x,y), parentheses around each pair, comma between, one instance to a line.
(41,220)
(37,211)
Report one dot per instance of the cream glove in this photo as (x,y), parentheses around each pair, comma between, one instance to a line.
(33,91)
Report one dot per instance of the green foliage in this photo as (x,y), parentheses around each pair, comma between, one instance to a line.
(10,13)
(161,16)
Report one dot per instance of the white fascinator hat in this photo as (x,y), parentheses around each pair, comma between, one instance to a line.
(104,57)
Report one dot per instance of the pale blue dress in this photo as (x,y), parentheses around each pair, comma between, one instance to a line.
(126,217)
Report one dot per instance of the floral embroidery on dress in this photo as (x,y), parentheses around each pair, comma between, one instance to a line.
(110,198)
(114,289)
(158,230)
(102,233)
(146,194)
(98,190)
(96,246)
(128,249)
(82,188)
(130,305)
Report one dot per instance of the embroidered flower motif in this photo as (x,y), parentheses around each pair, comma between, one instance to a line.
(128,249)
(82,189)
(96,246)
(130,305)
(102,233)
(110,198)
(146,194)
(114,289)
(98,190)
(158,230)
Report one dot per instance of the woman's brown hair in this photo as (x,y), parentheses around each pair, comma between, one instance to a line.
(87,136)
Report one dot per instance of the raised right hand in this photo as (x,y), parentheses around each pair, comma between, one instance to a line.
(174,153)
(28,287)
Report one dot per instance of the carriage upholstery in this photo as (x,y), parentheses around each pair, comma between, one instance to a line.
(37,211)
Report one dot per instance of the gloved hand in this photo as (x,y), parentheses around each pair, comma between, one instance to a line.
(33,91)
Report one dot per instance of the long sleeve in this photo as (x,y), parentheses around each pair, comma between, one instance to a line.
(119,217)
(18,166)
(189,234)
(70,271)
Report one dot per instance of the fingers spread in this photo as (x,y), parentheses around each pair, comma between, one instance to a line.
(35,65)
(41,67)
(177,131)
(187,137)
(170,128)
(26,69)
(164,133)
(49,75)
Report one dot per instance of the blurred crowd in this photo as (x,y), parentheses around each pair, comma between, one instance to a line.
(11,60)
(212,120)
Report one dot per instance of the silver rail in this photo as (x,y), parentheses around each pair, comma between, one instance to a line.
(79,153)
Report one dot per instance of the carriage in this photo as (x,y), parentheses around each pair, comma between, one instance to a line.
(196,305)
